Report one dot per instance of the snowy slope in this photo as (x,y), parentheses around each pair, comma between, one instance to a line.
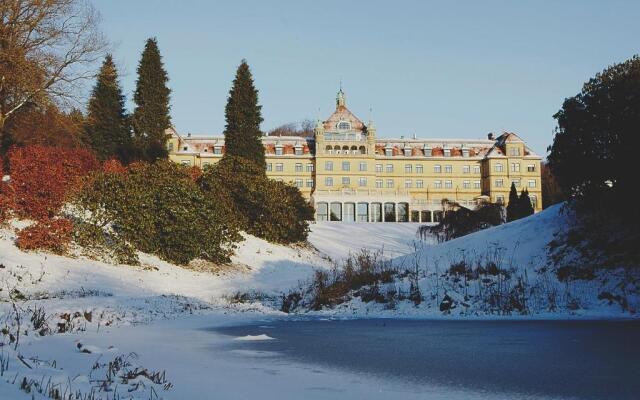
(338,239)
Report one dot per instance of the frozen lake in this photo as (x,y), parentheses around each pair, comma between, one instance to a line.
(515,359)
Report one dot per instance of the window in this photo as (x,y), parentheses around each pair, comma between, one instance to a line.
(516,182)
(419,169)
(185,162)
(498,168)
(407,151)
(298,167)
(298,151)
(407,184)
(362,182)
(346,166)
(309,167)
(346,181)
(344,125)
(466,184)
(531,183)
(448,184)
(476,169)
(309,183)
(466,169)
(389,167)
(269,167)
(378,167)
(389,183)
(322,212)
(408,168)
(328,165)
(531,168)
(448,169)
(447,152)
(363,212)
(376,212)
(514,152)
(217,150)
(336,212)
(363,166)
(298,182)
(206,150)
(379,184)
(419,183)
(170,147)
(437,184)
(500,199)
(476,185)
(437,169)
(185,148)
(499,182)
(388,151)
(534,200)
(328,181)
(515,167)
(465,152)
(279,167)
(278,151)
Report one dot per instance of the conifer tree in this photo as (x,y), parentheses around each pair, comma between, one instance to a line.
(107,125)
(513,208)
(243,115)
(525,206)
(151,115)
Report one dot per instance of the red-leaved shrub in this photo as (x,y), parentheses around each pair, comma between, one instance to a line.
(52,235)
(114,167)
(43,177)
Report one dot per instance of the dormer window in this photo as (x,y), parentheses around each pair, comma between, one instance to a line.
(298,150)
(344,126)
(185,148)
(447,152)
(388,151)
(427,150)
(465,152)
(278,151)
(217,149)
(407,151)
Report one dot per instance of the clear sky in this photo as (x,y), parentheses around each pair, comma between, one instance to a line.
(434,69)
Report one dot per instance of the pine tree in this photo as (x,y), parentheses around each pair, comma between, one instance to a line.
(151,115)
(107,127)
(525,206)
(243,115)
(513,208)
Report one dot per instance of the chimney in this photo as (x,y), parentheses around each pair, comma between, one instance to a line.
(490,135)
(189,134)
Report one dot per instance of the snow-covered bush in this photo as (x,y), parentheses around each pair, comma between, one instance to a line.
(271,210)
(159,209)
(53,235)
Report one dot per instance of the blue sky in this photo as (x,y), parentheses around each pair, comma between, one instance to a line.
(434,69)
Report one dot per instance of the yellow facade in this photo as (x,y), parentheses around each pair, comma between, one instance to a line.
(349,174)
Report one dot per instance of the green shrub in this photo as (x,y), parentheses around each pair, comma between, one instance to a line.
(159,209)
(269,209)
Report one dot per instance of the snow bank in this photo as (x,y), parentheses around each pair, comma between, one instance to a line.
(338,239)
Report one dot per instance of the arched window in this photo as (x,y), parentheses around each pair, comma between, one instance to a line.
(363,150)
(345,149)
(344,126)
(329,150)
(322,212)
(389,212)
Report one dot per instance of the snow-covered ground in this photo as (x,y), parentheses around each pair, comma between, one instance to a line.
(131,322)
(339,239)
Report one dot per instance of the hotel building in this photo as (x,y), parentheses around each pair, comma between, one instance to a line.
(349,174)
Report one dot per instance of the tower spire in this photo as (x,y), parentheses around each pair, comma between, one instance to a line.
(340,101)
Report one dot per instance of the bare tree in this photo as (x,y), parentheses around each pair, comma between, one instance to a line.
(305,128)
(48,48)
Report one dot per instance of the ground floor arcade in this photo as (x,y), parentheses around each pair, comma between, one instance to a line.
(363,211)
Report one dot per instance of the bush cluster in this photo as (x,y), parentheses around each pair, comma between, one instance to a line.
(161,210)
(269,209)
(53,235)
(42,178)
(459,221)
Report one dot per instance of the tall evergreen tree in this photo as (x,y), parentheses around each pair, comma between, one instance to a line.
(107,126)
(243,115)
(526,208)
(151,115)
(513,208)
